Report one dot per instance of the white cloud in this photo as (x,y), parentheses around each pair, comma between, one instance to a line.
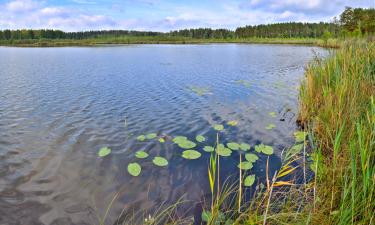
(21,5)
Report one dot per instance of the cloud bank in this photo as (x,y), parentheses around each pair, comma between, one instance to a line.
(163,15)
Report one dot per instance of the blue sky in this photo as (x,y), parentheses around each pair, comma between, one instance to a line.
(164,15)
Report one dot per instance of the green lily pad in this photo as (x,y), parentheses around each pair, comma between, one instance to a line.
(219,127)
(160,161)
(245,165)
(161,140)
(141,154)
(186,144)
(272,114)
(141,138)
(179,139)
(104,152)
(208,149)
(300,136)
(268,150)
(200,138)
(233,123)
(223,151)
(249,180)
(244,147)
(134,169)
(200,90)
(270,126)
(251,157)
(191,154)
(233,145)
(151,136)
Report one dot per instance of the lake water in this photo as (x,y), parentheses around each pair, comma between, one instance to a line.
(59,106)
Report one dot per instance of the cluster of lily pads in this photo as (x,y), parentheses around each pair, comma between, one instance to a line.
(190,151)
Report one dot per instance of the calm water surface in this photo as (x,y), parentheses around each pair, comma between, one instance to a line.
(59,106)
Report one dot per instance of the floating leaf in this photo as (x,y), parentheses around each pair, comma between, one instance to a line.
(233,145)
(268,150)
(151,136)
(249,180)
(251,157)
(104,152)
(270,126)
(179,139)
(244,147)
(200,90)
(272,114)
(160,161)
(161,140)
(200,138)
(245,165)
(191,154)
(141,154)
(223,151)
(244,83)
(233,123)
(208,149)
(219,127)
(300,136)
(186,144)
(141,138)
(134,169)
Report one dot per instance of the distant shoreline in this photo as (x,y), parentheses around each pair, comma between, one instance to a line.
(331,43)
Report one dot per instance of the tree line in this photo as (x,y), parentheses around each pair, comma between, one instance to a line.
(353,21)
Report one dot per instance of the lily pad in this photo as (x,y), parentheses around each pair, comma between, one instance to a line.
(223,151)
(160,161)
(200,138)
(141,138)
(200,90)
(233,123)
(268,150)
(219,127)
(300,136)
(186,144)
(270,126)
(244,147)
(191,154)
(141,154)
(272,114)
(249,180)
(251,157)
(245,165)
(293,151)
(151,136)
(208,149)
(104,152)
(161,140)
(179,139)
(134,169)
(233,145)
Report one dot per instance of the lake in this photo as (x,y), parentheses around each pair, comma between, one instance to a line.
(60,106)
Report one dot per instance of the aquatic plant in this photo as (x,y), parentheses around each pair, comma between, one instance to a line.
(251,157)
(272,114)
(141,154)
(245,165)
(270,126)
(218,127)
(244,147)
(134,169)
(221,150)
(232,123)
(208,149)
(233,146)
(191,154)
(200,138)
(200,91)
(249,180)
(141,138)
(160,161)
(266,149)
(104,152)
(151,136)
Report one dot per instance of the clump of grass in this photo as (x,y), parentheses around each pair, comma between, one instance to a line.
(337,104)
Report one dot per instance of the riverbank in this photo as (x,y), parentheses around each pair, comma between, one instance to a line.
(332,43)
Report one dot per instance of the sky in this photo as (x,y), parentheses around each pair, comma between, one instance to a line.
(164,15)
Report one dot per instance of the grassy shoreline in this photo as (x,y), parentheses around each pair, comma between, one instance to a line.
(332,43)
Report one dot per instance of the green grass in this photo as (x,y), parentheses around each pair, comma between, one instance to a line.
(163,40)
(337,104)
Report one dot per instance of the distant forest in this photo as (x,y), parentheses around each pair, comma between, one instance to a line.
(351,22)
